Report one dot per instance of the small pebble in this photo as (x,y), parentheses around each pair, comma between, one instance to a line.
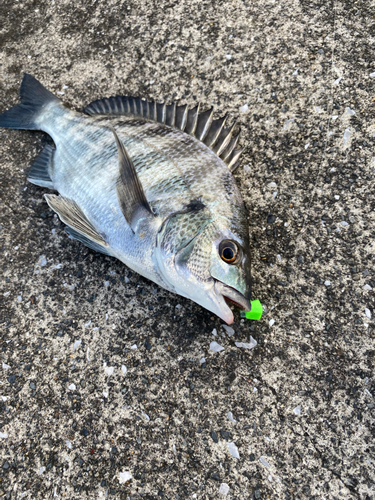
(214,437)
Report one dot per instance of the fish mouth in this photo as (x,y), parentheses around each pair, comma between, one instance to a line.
(231,296)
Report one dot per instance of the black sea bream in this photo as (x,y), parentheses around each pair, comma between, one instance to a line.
(149,184)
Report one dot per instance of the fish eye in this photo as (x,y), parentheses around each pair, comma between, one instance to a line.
(229,252)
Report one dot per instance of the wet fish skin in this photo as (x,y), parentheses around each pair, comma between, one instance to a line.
(194,202)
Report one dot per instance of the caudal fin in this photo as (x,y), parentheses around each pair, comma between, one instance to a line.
(33,98)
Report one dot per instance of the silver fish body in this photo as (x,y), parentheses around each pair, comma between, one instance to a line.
(188,235)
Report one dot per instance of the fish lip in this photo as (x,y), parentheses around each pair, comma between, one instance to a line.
(233,295)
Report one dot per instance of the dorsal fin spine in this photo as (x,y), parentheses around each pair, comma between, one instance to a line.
(223,140)
(233,159)
(228,151)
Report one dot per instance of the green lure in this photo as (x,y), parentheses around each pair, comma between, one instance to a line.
(255,312)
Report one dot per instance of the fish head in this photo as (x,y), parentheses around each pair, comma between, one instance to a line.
(206,261)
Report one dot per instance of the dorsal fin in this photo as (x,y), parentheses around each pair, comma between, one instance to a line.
(200,125)
(130,194)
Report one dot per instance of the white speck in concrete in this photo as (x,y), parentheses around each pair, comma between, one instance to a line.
(42,261)
(76,344)
(224,489)
(264,462)
(68,444)
(3,435)
(41,470)
(109,370)
(72,387)
(318,109)
(233,450)
(229,330)
(202,360)
(344,223)
(368,313)
(327,283)
(272,322)
(214,332)
(124,477)
(215,347)
(244,108)
(337,197)
(230,416)
(367,287)
(368,392)
(88,323)
(307,145)
(288,123)
(349,112)
(134,346)
(228,56)
(295,72)
(347,135)
(372,75)
(246,345)
(336,82)
(105,394)
(5,366)
(297,410)
(124,369)
(272,184)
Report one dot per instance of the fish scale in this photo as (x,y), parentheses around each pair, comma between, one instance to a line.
(150,184)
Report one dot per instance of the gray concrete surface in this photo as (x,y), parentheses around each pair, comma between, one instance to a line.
(303,398)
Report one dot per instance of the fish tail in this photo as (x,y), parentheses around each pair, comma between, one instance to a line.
(34,97)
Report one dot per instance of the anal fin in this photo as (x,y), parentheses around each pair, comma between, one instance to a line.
(39,171)
(80,227)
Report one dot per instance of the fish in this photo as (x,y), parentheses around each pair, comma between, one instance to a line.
(150,184)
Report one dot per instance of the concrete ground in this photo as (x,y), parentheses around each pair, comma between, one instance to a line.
(300,79)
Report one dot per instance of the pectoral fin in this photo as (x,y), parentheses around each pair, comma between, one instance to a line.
(82,229)
(130,194)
